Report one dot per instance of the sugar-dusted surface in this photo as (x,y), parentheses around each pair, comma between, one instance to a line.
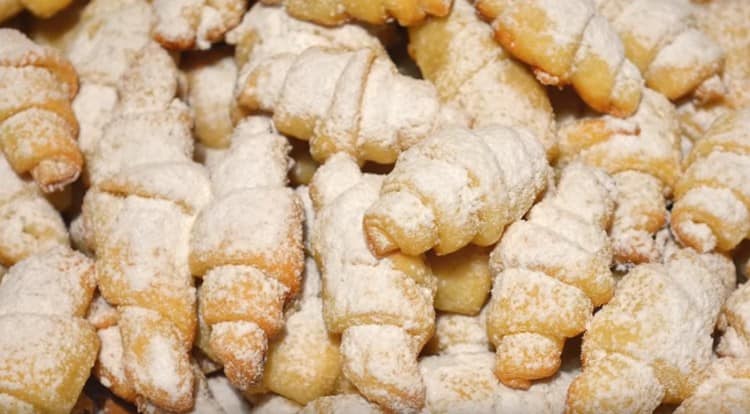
(211,77)
(658,327)
(662,40)
(28,222)
(340,404)
(188,24)
(712,208)
(551,270)
(642,152)
(37,126)
(139,215)
(569,43)
(382,307)
(46,350)
(459,55)
(247,246)
(462,186)
(334,87)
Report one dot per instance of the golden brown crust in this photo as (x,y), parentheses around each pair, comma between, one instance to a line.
(37,124)
(568,43)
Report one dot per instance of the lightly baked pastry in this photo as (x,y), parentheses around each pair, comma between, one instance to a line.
(457,187)
(38,129)
(247,246)
(726,22)
(382,307)
(568,42)
(712,203)
(336,89)
(642,154)
(304,362)
(725,390)
(735,323)
(28,222)
(39,8)
(47,349)
(652,342)
(336,12)
(460,377)
(146,193)
(663,41)
(189,24)
(107,37)
(552,270)
(458,54)
(210,78)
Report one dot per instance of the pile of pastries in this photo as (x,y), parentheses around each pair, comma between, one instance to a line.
(374,206)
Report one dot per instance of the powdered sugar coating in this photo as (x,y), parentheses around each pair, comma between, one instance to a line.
(470,69)
(711,208)
(642,153)
(735,342)
(28,222)
(457,187)
(187,24)
(211,77)
(382,307)
(47,349)
(334,87)
(569,43)
(552,269)
(658,325)
(465,383)
(247,244)
(140,214)
(662,40)
(37,126)
(341,404)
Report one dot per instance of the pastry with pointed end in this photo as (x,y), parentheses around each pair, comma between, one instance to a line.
(146,194)
(336,12)
(569,42)
(47,349)
(642,153)
(653,340)
(247,246)
(664,42)
(104,43)
(460,377)
(304,363)
(552,270)
(38,129)
(335,88)
(726,22)
(189,24)
(457,187)
(382,307)
(712,201)
(458,54)
(28,222)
